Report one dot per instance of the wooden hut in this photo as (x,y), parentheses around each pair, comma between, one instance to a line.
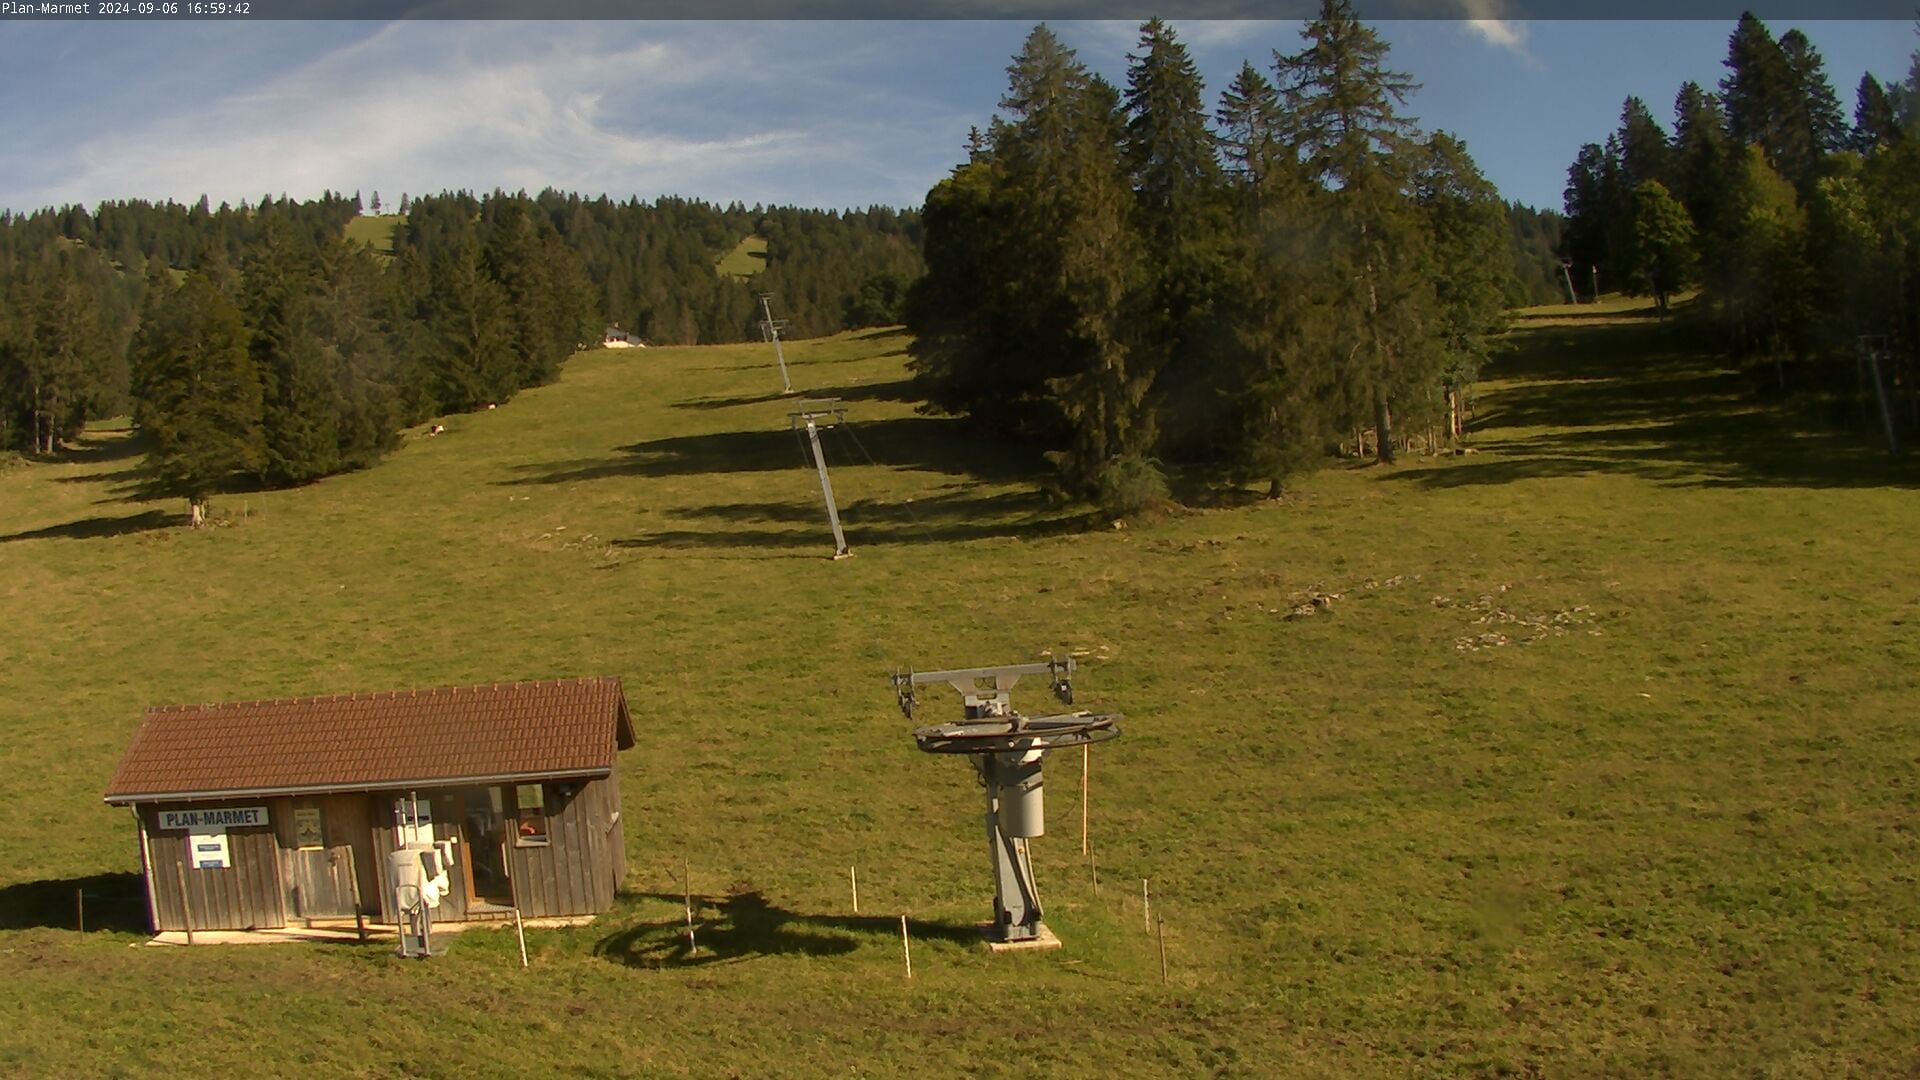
(262,814)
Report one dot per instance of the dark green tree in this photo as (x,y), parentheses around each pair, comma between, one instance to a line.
(1343,112)
(199,396)
(1757,91)
(1760,269)
(1874,122)
(1644,151)
(298,412)
(880,302)
(1473,267)
(1181,218)
(1702,155)
(1280,401)
(62,349)
(1250,134)
(1592,204)
(1816,125)
(473,362)
(352,323)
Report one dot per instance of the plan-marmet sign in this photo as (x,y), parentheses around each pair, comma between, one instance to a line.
(221,817)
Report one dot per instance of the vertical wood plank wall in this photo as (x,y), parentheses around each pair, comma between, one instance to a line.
(572,874)
(270,881)
(245,896)
(616,828)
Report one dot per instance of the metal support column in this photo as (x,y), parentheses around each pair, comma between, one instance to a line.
(826,490)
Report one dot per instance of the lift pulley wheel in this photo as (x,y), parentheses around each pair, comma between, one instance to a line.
(1018,734)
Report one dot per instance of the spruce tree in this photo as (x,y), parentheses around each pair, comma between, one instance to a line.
(1644,151)
(1591,202)
(967,348)
(1249,122)
(1181,218)
(60,345)
(1818,127)
(1757,90)
(298,412)
(351,321)
(1702,155)
(1874,122)
(1473,266)
(1342,106)
(1104,395)
(1280,399)
(200,397)
(471,360)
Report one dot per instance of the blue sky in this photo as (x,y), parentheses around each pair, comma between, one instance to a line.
(816,113)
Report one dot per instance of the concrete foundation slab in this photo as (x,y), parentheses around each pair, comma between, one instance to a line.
(343,932)
(1046,940)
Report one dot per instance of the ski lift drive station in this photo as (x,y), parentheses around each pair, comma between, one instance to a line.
(1007,749)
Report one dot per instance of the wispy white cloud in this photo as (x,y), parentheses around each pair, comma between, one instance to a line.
(420,107)
(1484,21)
(1505,33)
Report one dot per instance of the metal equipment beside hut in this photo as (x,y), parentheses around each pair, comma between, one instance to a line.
(258,814)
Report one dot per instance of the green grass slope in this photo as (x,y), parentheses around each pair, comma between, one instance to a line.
(1594,756)
(747,258)
(375,231)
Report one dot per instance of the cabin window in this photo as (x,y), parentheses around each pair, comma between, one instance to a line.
(530,804)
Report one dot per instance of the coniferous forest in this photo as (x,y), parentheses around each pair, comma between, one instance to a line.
(1800,231)
(1138,276)
(1133,278)
(257,345)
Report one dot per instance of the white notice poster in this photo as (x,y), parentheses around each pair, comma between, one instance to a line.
(413,820)
(208,850)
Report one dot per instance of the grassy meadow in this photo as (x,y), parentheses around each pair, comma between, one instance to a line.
(1589,753)
(375,231)
(747,258)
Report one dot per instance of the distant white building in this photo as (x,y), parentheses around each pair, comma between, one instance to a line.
(616,338)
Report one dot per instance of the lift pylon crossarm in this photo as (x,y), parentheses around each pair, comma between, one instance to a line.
(995,697)
(816,410)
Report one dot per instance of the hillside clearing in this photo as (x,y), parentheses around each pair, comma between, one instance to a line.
(375,231)
(1590,753)
(747,258)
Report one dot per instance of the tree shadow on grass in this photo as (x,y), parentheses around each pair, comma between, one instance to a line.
(896,390)
(955,516)
(735,401)
(103,447)
(746,925)
(1603,315)
(932,444)
(116,902)
(109,448)
(99,528)
(1652,401)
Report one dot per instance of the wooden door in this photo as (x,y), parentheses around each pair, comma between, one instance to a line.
(354,844)
(318,838)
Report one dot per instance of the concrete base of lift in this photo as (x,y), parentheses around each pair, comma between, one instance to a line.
(1045,940)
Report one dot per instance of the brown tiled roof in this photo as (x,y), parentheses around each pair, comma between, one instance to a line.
(364,741)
